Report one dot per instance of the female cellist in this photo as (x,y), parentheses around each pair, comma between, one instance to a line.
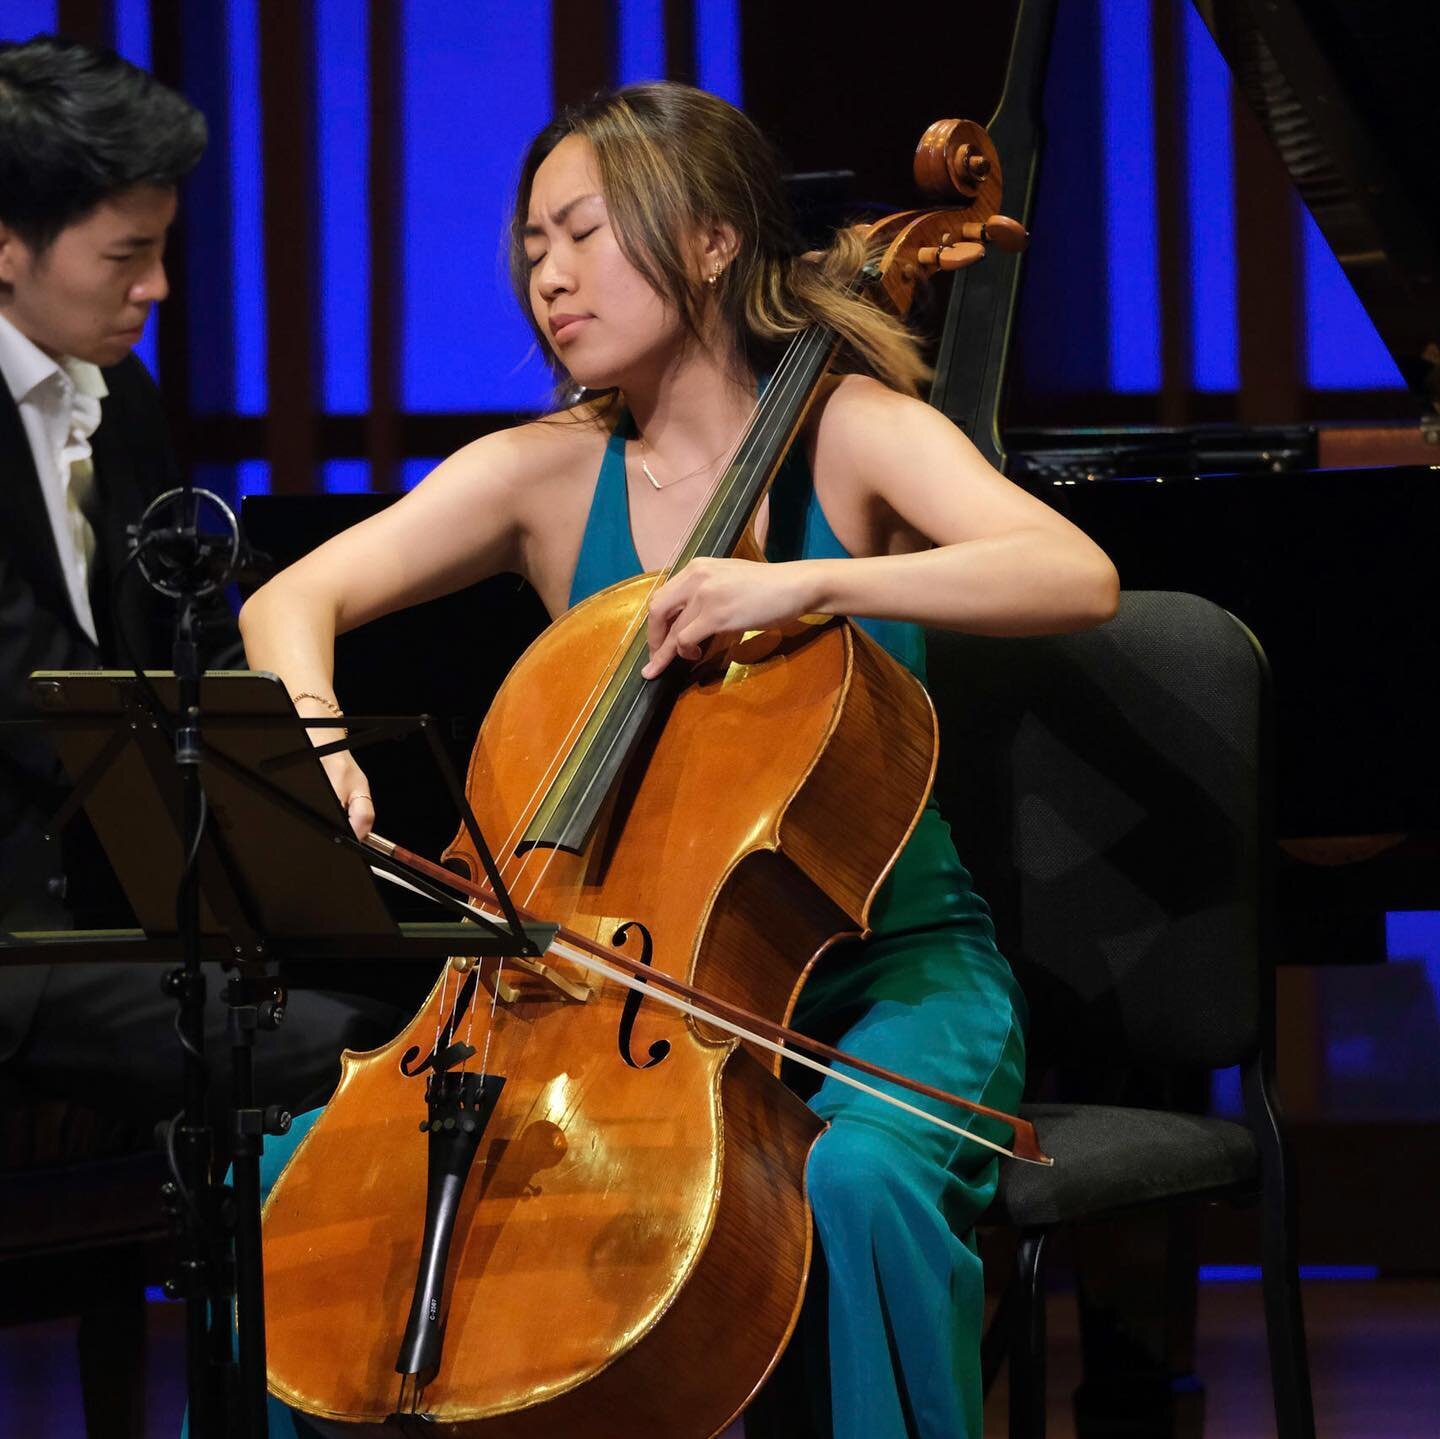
(652,251)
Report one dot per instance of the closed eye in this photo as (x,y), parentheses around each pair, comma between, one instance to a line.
(585,234)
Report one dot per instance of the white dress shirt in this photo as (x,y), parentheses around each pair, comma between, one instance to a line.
(59,404)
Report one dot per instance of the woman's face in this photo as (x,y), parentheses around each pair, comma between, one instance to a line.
(606,323)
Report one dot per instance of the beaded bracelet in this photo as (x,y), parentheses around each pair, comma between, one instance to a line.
(329,705)
(319,700)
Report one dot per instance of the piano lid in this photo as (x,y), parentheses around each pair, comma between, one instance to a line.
(1346,91)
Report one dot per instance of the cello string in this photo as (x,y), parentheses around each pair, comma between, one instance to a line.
(667,569)
(440,1011)
(518,865)
(494,1012)
(814,336)
(627,636)
(780,386)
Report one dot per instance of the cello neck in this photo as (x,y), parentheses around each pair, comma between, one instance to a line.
(629,702)
(762,448)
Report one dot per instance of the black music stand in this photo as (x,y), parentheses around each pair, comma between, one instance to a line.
(277,874)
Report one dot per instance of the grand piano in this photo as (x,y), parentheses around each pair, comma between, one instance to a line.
(1320,538)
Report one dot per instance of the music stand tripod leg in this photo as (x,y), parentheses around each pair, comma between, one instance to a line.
(257,1002)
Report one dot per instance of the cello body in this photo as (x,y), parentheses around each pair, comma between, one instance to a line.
(632,1242)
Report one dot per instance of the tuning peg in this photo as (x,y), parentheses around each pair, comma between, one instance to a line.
(951,257)
(999,230)
(973,163)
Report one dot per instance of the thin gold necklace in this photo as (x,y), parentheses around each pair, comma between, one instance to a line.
(689,475)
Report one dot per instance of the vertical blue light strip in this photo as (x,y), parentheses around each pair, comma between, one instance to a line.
(20,19)
(1415,934)
(1342,349)
(131,34)
(641,41)
(148,349)
(132,31)
(252,477)
(477,88)
(413,470)
(1131,229)
(233,482)
(343,132)
(1227,1097)
(246,198)
(717,48)
(1210,167)
(345,477)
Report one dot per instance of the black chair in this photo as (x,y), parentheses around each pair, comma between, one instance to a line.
(1111,792)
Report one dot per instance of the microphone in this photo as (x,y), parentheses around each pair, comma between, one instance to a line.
(189,542)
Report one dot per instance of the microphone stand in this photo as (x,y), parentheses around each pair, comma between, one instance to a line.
(186,565)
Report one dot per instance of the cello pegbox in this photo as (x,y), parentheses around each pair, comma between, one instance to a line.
(956,159)
(955,163)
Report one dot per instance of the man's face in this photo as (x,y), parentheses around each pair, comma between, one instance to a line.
(89,294)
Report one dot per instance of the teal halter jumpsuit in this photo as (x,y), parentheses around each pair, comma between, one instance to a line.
(894,1309)
(890,1337)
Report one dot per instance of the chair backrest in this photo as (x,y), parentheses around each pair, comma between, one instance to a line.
(1107,789)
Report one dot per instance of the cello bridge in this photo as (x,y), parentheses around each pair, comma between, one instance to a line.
(519,979)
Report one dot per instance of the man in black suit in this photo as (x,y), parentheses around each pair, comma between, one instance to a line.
(92,151)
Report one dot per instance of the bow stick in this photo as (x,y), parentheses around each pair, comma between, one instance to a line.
(735,1020)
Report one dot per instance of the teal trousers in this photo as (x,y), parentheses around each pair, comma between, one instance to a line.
(890,1333)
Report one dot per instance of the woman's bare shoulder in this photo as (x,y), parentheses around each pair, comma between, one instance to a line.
(538,478)
(849,404)
(854,419)
(539,454)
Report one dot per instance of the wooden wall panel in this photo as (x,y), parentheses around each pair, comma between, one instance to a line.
(86,20)
(582,47)
(172,335)
(292,341)
(383,439)
(1268,282)
(680,40)
(1173,211)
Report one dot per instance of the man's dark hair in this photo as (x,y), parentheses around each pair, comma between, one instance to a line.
(79,125)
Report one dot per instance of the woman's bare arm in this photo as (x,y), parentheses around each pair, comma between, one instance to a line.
(940,537)
(468,519)
(999,561)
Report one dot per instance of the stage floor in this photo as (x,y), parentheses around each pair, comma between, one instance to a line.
(1374,1355)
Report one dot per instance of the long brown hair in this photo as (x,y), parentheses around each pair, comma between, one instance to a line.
(673,159)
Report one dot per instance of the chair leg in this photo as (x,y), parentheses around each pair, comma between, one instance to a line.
(1027,1343)
(1280,1270)
(996,1344)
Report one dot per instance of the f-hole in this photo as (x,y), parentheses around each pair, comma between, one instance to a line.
(633,1000)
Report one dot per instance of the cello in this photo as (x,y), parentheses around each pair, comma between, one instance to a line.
(552,1224)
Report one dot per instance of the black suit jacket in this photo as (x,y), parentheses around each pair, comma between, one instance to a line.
(47,882)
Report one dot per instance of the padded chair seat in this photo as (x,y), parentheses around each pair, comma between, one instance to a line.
(1108,1158)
